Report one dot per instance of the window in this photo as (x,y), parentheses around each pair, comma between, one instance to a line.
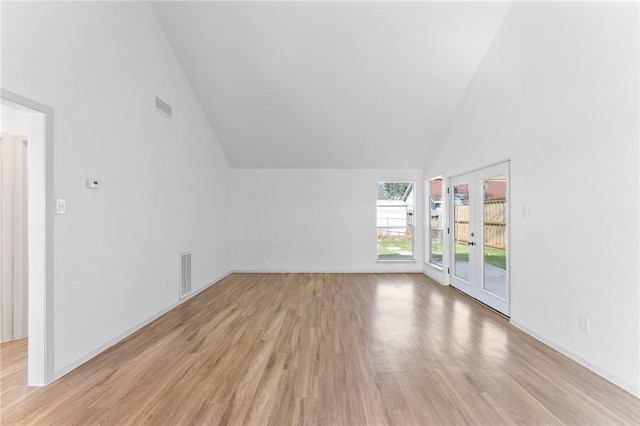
(435,222)
(395,220)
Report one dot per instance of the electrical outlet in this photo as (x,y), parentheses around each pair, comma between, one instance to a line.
(584,324)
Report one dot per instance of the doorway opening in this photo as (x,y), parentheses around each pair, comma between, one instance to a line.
(13,220)
(27,263)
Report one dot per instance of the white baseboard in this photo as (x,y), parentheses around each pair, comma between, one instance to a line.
(434,274)
(75,364)
(316,271)
(629,387)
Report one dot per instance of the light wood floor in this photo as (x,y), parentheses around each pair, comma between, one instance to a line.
(329,349)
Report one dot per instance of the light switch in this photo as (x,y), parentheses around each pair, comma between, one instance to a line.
(61,206)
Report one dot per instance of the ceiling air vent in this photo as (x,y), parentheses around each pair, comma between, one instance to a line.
(163,107)
(185,274)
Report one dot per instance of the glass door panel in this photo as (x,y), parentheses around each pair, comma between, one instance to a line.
(461,231)
(495,235)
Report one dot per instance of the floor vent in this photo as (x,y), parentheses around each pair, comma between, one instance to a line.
(185,274)
(163,107)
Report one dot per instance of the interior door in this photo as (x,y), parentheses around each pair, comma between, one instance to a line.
(479,235)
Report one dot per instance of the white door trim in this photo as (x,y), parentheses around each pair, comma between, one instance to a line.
(41,366)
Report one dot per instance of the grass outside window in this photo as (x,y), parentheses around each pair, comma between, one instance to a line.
(395,247)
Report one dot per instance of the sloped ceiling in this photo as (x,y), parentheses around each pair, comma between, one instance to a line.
(361,85)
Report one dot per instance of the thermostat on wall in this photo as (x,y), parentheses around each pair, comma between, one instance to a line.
(93,183)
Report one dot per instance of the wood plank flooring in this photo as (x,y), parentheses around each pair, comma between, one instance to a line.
(334,349)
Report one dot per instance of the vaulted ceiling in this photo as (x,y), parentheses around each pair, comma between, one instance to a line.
(329,84)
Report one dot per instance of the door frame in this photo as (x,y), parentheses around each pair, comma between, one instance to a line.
(459,283)
(475,287)
(41,362)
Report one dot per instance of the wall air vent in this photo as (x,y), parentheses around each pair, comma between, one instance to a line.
(163,107)
(185,274)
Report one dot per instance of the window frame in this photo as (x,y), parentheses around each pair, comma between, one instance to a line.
(428,254)
(403,259)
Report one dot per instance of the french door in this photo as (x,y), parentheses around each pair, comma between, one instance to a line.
(479,206)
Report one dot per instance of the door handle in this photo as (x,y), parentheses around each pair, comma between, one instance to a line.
(471,243)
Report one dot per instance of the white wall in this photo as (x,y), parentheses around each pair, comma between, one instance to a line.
(313,220)
(558,94)
(165,182)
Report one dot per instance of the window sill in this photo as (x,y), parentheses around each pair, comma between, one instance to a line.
(396,261)
(434,266)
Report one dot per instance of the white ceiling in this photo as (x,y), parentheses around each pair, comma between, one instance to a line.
(362,85)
